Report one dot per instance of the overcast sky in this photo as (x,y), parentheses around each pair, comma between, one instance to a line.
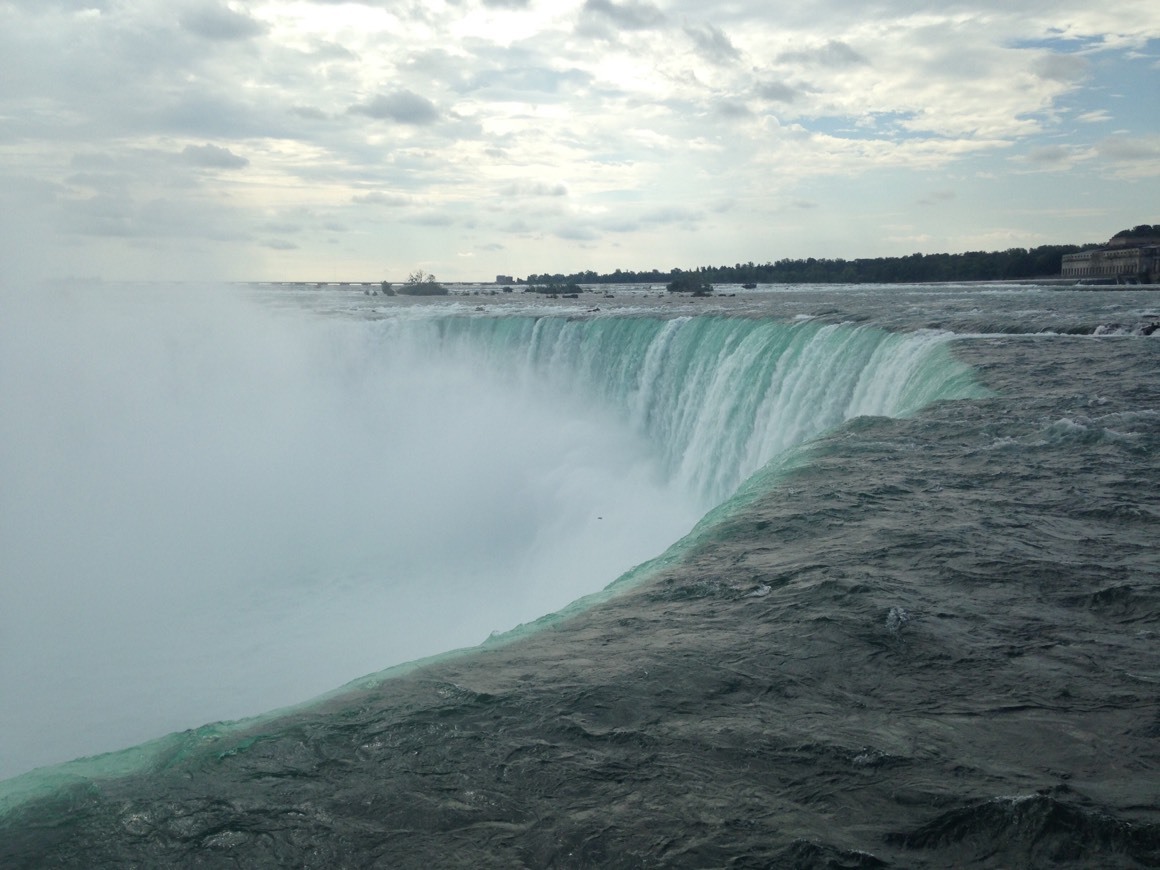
(324,140)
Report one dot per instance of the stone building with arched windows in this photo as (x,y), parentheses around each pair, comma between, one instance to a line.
(1129,257)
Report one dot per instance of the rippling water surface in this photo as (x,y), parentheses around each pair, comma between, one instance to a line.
(923,637)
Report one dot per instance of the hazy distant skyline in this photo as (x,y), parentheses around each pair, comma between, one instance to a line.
(323,140)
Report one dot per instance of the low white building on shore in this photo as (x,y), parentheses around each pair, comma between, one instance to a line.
(1124,260)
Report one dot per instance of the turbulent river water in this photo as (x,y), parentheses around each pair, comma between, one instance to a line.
(908,616)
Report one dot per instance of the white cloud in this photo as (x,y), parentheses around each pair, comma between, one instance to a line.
(213,157)
(428,128)
(1096,116)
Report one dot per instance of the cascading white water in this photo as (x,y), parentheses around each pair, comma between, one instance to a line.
(210,508)
(718,397)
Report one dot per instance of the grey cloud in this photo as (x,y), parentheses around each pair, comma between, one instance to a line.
(731,109)
(105,71)
(937,197)
(377,197)
(538,188)
(671,215)
(75,5)
(834,53)
(777,92)
(437,64)
(325,50)
(284,229)
(403,107)
(576,233)
(506,4)
(622,226)
(310,113)
(1062,67)
(629,15)
(101,215)
(280,245)
(29,192)
(220,23)
(665,216)
(433,219)
(213,157)
(1129,150)
(124,167)
(119,215)
(1049,154)
(210,115)
(94,160)
(540,79)
(712,43)
(101,181)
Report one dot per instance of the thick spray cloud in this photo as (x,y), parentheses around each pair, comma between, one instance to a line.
(212,508)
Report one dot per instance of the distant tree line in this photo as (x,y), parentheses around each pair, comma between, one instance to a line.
(1143,231)
(1014,263)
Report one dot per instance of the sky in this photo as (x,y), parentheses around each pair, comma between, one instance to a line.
(350,141)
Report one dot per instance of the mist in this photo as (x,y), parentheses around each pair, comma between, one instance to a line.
(211,507)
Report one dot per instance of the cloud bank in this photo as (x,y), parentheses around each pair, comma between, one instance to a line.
(143,139)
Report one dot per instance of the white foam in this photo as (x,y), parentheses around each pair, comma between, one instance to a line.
(211,509)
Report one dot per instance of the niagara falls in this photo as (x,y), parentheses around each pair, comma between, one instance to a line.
(579,435)
(258,521)
(228,508)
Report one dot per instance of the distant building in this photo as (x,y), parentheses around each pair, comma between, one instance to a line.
(504,279)
(1123,260)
